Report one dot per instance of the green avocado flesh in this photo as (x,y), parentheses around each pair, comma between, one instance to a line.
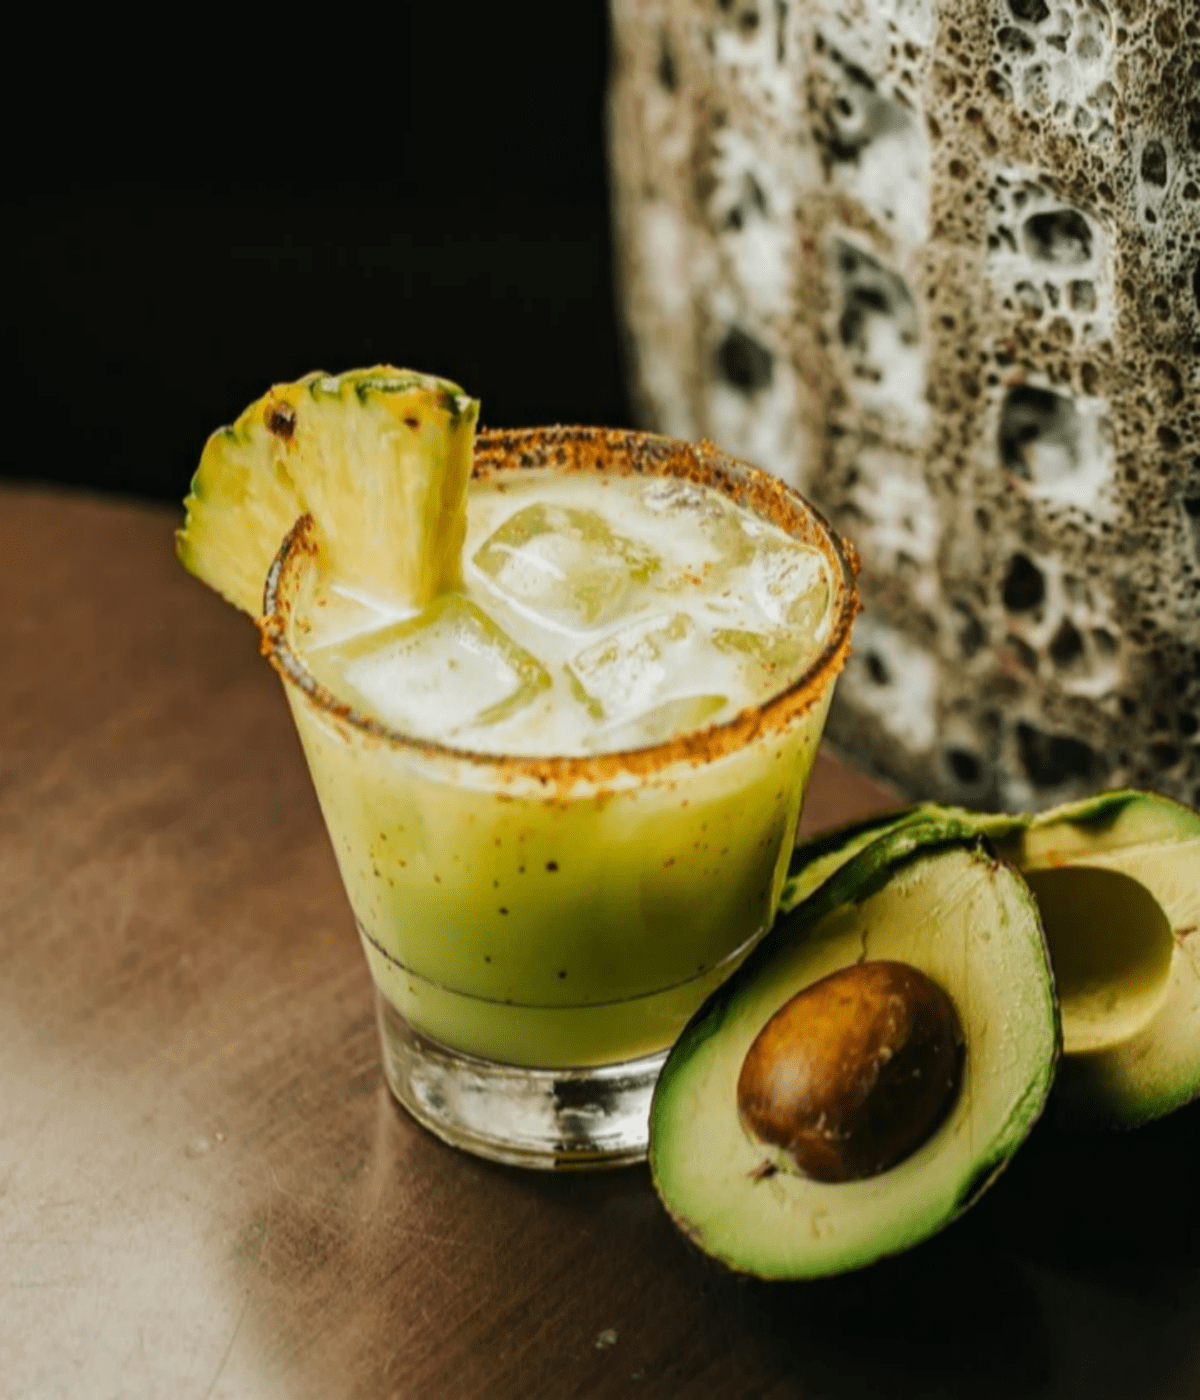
(1117,882)
(940,903)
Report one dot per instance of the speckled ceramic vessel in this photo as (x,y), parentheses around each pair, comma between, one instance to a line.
(937,263)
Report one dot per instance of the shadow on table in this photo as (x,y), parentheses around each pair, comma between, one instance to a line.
(952,1318)
(1082,1264)
(419,1266)
(955,1317)
(1081,1267)
(1109,1204)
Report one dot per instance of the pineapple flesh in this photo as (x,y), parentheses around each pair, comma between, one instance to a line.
(380,458)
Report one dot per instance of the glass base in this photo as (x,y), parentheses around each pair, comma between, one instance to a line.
(554,1119)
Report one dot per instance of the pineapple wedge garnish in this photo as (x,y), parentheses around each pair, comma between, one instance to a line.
(379,458)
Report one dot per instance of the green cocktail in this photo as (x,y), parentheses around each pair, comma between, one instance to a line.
(563,795)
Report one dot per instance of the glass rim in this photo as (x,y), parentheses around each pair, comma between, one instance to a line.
(632,452)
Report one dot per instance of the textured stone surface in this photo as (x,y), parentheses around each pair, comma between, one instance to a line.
(937,262)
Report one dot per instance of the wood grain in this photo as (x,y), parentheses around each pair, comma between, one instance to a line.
(205,1189)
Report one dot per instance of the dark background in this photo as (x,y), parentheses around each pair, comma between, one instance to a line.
(244,203)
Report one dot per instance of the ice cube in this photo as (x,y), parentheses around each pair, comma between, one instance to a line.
(770,661)
(642,664)
(710,523)
(565,566)
(447,670)
(790,584)
(338,613)
(659,723)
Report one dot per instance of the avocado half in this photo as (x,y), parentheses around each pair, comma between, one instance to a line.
(926,896)
(1117,881)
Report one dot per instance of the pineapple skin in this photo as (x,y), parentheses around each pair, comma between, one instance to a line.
(380,458)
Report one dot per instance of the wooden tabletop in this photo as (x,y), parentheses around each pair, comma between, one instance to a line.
(206,1190)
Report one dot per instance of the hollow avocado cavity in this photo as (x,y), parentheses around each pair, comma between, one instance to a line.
(1111,947)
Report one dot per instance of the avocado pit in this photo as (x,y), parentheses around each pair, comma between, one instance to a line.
(854,1073)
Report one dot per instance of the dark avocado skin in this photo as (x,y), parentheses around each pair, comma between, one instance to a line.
(903,839)
(837,838)
(953,821)
(1104,812)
